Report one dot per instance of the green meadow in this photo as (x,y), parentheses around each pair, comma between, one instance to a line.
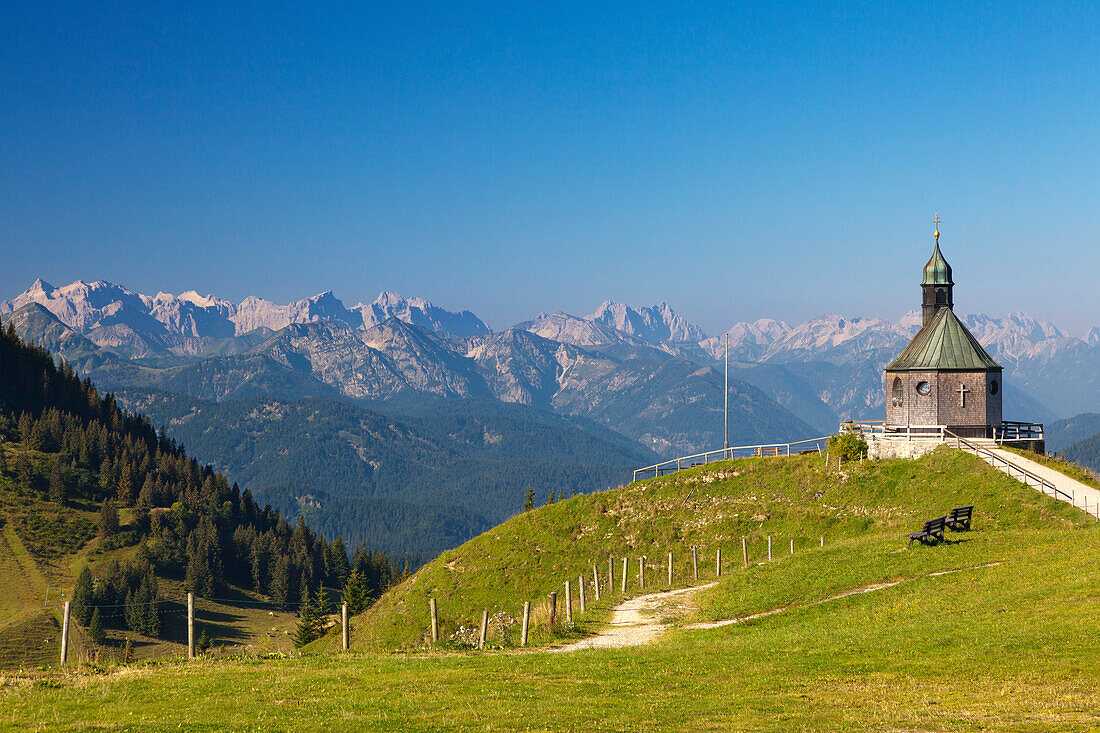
(994,630)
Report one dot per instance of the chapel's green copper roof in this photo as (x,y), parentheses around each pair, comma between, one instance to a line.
(945,344)
(937,271)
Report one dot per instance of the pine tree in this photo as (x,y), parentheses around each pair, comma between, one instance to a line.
(24,471)
(147,497)
(529,499)
(26,427)
(340,568)
(321,602)
(132,612)
(356,594)
(152,611)
(95,629)
(280,581)
(82,598)
(125,488)
(108,519)
(310,625)
(58,492)
(198,577)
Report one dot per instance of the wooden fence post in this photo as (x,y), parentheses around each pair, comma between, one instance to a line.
(526,619)
(484,628)
(596,581)
(345,636)
(190,625)
(641,572)
(435,621)
(568,605)
(580,592)
(670,568)
(610,576)
(553,610)
(718,564)
(769,547)
(624,575)
(792,545)
(744,551)
(822,540)
(65,634)
(695,562)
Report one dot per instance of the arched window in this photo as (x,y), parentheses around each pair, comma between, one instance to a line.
(994,387)
(941,297)
(898,390)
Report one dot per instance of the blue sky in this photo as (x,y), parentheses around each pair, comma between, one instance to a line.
(735,160)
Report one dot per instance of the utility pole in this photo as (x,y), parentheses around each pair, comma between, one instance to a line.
(726,398)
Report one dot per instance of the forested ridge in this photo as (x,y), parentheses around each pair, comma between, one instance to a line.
(416,481)
(66,450)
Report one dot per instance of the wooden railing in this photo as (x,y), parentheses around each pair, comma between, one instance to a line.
(1008,432)
(726,454)
(1012,431)
(877,429)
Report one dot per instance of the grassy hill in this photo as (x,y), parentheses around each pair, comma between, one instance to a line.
(862,511)
(995,630)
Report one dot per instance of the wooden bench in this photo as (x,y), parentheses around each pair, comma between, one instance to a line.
(959,518)
(931,533)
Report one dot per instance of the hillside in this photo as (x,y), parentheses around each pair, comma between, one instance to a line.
(412,484)
(992,631)
(1061,434)
(865,510)
(99,509)
(1085,452)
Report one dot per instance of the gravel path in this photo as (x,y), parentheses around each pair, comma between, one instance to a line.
(1081,495)
(638,621)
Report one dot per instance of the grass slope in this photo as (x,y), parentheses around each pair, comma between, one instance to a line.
(28,630)
(529,556)
(1009,642)
(43,547)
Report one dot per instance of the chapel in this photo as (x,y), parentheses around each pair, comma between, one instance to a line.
(943,378)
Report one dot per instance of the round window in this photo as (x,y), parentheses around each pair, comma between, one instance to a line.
(924,387)
(993,387)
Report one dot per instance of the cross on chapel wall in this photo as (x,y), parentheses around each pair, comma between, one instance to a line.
(963,391)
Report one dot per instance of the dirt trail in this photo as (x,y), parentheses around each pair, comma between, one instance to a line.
(638,621)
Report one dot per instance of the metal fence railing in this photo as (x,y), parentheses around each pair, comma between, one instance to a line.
(1024,476)
(726,454)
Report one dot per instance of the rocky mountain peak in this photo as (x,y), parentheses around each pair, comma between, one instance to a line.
(656,324)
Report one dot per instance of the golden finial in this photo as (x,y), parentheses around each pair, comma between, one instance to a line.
(936,221)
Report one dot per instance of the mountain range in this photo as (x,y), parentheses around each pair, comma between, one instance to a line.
(645,374)
(367,351)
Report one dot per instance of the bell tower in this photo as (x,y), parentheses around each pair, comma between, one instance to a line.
(937,287)
(944,378)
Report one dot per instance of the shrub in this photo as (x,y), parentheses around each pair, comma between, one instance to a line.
(848,446)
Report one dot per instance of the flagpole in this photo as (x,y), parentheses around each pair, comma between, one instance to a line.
(726,398)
